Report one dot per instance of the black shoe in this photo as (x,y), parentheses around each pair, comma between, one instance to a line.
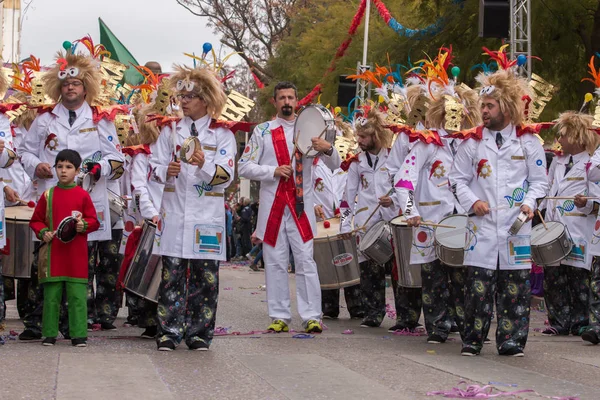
(454,329)
(107,326)
(79,342)
(397,327)
(49,341)
(327,316)
(469,352)
(487,340)
(435,339)
(198,344)
(66,336)
(90,327)
(131,321)
(590,336)
(368,323)
(166,345)
(513,351)
(28,334)
(150,332)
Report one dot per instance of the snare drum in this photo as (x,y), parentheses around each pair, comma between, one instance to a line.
(311,122)
(190,145)
(336,258)
(549,246)
(450,243)
(86,181)
(376,244)
(17,264)
(409,275)
(145,272)
(117,206)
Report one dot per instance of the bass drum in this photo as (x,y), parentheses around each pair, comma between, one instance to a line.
(336,258)
(18,255)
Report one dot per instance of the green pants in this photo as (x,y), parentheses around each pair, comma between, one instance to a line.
(77,301)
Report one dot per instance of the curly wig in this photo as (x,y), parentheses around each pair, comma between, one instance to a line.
(436,113)
(508,90)
(206,85)
(4,83)
(374,124)
(89,74)
(577,127)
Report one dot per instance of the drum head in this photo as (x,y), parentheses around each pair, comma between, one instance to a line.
(333,230)
(86,181)
(311,121)
(19,213)
(372,235)
(399,221)
(67,230)
(540,235)
(188,148)
(454,238)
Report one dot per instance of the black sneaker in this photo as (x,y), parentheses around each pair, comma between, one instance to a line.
(435,339)
(28,334)
(513,351)
(590,336)
(368,323)
(326,316)
(131,321)
(166,345)
(469,352)
(397,327)
(90,327)
(107,326)
(198,344)
(454,329)
(150,332)
(487,340)
(79,342)
(49,341)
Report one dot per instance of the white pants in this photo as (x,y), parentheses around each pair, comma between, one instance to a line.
(308,288)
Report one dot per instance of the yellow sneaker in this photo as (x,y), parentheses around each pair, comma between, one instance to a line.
(278,326)
(313,326)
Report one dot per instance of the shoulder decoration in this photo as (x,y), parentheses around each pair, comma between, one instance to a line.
(233,126)
(109,112)
(161,120)
(533,129)
(473,133)
(133,151)
(425,136)
(7,107)
(350,158)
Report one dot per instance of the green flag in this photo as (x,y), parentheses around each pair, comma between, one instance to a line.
(119,53)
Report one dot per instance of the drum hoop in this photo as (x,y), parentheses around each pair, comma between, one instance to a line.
(325,114)
(450,232)
(190,143)
(61,227)
(543,232)
(378,224)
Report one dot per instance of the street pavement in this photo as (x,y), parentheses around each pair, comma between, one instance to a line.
(370,363)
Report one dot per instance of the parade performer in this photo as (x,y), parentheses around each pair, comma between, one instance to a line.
(369,185)
(422,196)
(500,165)
(285,215)
(193,237)
(60,262)
(567,284)
(72,123)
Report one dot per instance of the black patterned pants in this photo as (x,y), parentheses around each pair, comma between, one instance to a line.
(595,296)
(330,302)
(187,300)
(567,297)
(511,290)
(104,263)
(143,310)
(443,297)
(2,304)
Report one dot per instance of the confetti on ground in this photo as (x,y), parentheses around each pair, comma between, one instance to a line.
(431,352)
(228,288)
(303,336)
(486,392)
(408,332)
(348,332)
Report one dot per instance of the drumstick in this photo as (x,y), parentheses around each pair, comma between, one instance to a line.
(491,209)
(319,137)
(541,218)
(376,208)
(570,198)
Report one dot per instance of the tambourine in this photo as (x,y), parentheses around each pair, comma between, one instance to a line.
(67,229)
(190,145)
(86,181)
(518,224)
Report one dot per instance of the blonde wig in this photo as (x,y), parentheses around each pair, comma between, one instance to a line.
(373,124)
(4,82)
(345,128)
(77,66)
(436,113)
(204,82)
(508,90)
(577,127)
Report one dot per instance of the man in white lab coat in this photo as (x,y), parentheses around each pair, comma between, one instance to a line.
(285,216)
(500,165)
(193,240)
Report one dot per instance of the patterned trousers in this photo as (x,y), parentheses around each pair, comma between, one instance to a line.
(595,296)
(330,302)
(104,263)
(187,300)
(567,297)
(144,311)
(512,291)
(443,297)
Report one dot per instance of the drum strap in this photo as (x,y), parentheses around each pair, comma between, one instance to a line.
(285,196)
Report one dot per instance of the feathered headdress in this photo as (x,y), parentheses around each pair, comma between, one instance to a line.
(509,90)
(201,81)
(76,66)
(372,122)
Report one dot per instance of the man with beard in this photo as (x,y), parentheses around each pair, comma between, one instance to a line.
(286,217)
(369,184)
(498,173)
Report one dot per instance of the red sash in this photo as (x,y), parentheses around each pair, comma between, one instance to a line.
(285,196)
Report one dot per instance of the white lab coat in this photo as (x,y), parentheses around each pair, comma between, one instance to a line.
(259,163)
(7,159)
(593,175)
(325,191)
(193,206)
(366,184)
(579,221)
(511,176)
(97,142)
(15,176)
(420,191)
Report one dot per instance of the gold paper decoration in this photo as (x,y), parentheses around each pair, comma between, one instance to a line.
(596,123)
(163,98)
(542,94)
(345,146)
(123,125)
(454,114)
(418,111)
(8,73)
(395,106)
(112,73)
(237,107)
